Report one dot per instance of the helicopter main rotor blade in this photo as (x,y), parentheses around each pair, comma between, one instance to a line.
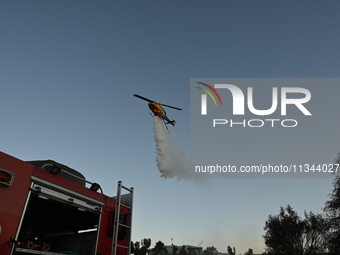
(171,107)
(144,98)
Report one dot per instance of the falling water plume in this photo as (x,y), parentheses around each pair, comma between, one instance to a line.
(171,159)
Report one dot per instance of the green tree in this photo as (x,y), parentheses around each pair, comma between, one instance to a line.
(183,251)
(283,233)
(210,251)
(230,251)
(146,243)
(174,250)
(288,234)
(332,210)
(159,249)
(249,252)
(132,247)
(315,233)
(137,250)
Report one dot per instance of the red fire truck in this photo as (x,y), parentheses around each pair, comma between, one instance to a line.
(49,208)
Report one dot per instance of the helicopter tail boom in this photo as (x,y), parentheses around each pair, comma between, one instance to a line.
(172,122)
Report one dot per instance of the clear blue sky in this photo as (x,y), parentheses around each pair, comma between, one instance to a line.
(69,69)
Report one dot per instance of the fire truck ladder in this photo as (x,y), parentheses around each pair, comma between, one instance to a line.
(127,200)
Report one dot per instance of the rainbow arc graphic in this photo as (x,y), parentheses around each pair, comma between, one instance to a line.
(204,97)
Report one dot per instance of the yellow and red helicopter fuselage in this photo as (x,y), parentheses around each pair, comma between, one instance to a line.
(157,110)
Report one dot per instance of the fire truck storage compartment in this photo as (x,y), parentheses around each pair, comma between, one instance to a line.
(57,221)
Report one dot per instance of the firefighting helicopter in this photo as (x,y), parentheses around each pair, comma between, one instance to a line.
(157,110)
